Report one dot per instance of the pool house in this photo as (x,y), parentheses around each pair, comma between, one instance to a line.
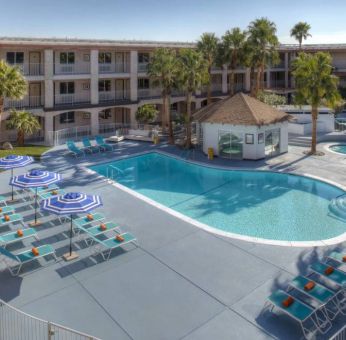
(242,127)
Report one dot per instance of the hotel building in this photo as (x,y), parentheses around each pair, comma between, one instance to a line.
(90,87)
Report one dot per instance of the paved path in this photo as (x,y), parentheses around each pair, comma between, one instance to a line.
(180,283)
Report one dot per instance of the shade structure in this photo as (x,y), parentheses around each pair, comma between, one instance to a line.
(35,179)
(14,161)
(70,204)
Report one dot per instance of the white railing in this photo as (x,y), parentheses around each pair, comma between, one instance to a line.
(142,67)
(112,128)
(26,102)
(178,93)
(17,325)
(30,69)
(216,87)
(71,99)
(78,68)
(112,96)
(74,133)
(114,68)
(340,335)
(149,93)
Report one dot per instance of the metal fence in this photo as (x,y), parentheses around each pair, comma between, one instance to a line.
(340,335)
(17,325)
(340,124)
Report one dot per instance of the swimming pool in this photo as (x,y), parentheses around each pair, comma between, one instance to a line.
(256,204)
(338,148)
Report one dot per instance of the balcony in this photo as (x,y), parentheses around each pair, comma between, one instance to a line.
(72,99)
(78,68)
(142,67)
(113,96)
(28,102)
(277,84)
(280,65)
(30,69)
(149,93)
(114,68)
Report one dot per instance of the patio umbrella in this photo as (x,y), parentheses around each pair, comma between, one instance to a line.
(35,179)
(70,204)
(14,161)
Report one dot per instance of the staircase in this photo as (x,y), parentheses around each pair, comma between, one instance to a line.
(337,206)
(298,140)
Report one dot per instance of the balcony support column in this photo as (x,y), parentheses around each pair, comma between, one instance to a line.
(224,85)
(133,110)
(94,77)
(48,129)
(133,75)
(286,70)
(48,78)
(94,122)
(268,78)
(247,80)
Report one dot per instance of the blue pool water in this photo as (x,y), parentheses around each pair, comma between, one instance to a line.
(340,148)
(253,203)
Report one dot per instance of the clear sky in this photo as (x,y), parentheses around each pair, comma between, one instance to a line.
(183,20)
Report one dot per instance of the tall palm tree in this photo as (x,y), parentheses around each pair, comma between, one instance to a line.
(300,31)
(263,41)
(12,85)
(233,51)
(315,85)
(24,122)
(193,73)
(163,69)
(208,46)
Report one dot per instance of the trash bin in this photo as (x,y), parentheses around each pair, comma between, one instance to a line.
(210,153)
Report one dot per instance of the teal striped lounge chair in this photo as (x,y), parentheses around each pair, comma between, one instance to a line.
(14,218)
(41,190)
(74,150)
(81,223)
(48,194)
(12,237)
(96,230)
(337,256)
(89,147)
(103,145)
(14,262)
(7,210)
(3,200)
(338,277)
(308,318)
(105,247)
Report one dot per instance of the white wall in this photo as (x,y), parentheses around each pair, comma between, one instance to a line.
(325,123)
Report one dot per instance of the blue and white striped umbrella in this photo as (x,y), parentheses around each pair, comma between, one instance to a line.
(70,204)
(14,161)
(35,179)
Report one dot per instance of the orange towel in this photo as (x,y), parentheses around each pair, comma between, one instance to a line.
(119,238)
(329,270)
(90,217)
(20,232)
(287,302)
(344,259)
(310,285)
(6,218)
(54,192)
(35,251)
(0,209)
(103,226)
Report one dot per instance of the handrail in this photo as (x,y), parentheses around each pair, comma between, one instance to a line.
(340,335)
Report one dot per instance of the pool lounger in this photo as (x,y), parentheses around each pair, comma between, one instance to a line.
(96,230)
(48,194)
(74,150)
(12,237)
(338,277)
(300,312)
(105,247)
(3,200)
(6,210)
(337,256)
(24,257)
(88,147)
(42,190)
(13,219)
(103,145)
(333,302)
(81,222)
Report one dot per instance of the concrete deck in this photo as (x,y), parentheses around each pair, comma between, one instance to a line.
(180,283)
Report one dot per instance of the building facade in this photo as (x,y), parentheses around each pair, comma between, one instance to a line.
(92,86)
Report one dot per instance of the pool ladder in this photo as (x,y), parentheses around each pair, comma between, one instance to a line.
(113,172)
(337,206)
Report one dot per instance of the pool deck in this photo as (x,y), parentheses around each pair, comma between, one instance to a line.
(181,282)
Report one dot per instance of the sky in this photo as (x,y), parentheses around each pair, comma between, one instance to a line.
(175,20)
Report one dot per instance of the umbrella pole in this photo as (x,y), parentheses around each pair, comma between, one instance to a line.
(36,206)
(11,178)
(71,237)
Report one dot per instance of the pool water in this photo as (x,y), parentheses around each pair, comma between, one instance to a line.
(260,204)
(339,148)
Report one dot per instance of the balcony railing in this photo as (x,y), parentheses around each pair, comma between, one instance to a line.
(78,68)
(280,65)
(114,68)
(277,84)
(72,99)
(142,67)
(149,93)
(30,69)
(112,96)
(216,87)
(26,102)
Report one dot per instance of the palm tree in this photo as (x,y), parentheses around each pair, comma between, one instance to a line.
(315,85)
(12,85)
(193,73)
(263,42)
(163,69)
(208,46)
(233,51)
(300,31)
(24,122)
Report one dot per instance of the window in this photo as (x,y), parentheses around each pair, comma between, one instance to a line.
(105,57)
(104,85)
(105,114)
(67,58)
(143,83)
(67,87)
(15,57)
(67,117)
(143,57)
